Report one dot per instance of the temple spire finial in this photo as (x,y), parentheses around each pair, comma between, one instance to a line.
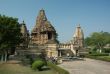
(23,22)
(42,8)
(78,25)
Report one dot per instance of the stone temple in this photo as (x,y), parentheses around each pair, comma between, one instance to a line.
(25,35)
(43,31)
(44,37)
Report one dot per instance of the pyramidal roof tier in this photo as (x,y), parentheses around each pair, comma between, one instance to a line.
(42,24)
(41,18)
(78,32)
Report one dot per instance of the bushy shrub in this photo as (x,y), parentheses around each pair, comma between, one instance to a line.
(37,65)
(35,58)
(106,50)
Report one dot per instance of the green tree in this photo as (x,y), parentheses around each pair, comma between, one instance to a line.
(98,39)
(10,35)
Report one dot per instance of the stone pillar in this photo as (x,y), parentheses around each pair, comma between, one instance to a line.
(59,53)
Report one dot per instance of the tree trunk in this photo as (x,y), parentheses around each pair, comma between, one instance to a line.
(2,56)
(6,56)
(100,48)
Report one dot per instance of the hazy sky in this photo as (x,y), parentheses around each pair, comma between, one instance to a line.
(64,15)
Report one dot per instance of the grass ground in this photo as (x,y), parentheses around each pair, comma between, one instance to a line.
(104,58)
(14,68)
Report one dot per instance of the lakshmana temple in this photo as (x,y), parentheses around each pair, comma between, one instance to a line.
(43,31)
(44,37)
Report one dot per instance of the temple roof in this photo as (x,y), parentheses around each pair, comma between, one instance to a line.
(23,28)
(78,32)
(42,24)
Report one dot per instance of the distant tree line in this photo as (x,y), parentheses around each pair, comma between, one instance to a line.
(97,40)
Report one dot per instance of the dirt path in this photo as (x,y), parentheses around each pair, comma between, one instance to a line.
(87,66)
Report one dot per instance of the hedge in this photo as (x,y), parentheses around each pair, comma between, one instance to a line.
(99,54)
(57,68)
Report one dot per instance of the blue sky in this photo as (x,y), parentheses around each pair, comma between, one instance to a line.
(64,15)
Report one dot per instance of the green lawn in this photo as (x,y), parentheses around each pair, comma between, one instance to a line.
(8,68)
(104,58)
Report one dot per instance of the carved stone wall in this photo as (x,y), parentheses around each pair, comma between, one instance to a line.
(43,31)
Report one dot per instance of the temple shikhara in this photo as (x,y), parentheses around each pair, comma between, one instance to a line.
(43,31)
(78,37)
(25,35)
(44,37)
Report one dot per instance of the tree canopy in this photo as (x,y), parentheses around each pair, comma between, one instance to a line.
(10,35)
(98,39)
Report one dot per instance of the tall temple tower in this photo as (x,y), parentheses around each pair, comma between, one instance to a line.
(25,35)
(78,37)
(43,31)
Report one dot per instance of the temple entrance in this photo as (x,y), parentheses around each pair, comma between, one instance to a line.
(49,36)
(65,53)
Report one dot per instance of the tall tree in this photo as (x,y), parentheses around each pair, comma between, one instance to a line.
(10,35)
(98,39)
